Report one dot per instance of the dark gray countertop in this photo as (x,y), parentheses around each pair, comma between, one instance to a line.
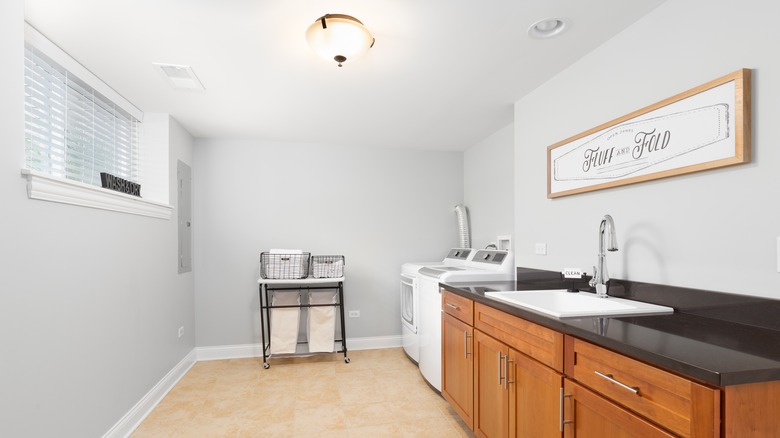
(730,340)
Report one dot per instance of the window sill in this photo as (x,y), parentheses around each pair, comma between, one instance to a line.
(49,188)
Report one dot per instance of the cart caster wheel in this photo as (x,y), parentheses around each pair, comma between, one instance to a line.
(266,365)
(346,360)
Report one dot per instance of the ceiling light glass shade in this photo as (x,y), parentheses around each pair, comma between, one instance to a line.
(338,37)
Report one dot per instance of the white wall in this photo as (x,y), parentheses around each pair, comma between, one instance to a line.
(488,174)
(379,208)
(712,230)
(91,300)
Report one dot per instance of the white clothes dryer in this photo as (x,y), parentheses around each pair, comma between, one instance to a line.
(484,265)
(410,304)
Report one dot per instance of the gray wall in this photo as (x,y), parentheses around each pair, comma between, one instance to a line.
(712,230)
(488,174)
(90,301)
(379,208)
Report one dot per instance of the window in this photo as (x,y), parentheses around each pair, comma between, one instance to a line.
(76,127)
(71,130)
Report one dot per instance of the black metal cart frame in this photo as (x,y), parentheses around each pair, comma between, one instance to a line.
(307,284)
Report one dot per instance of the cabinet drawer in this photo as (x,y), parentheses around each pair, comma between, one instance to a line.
(586,414)
(676,403)
(540,343)
(457,306)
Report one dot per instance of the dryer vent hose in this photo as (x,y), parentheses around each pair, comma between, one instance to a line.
(463,226)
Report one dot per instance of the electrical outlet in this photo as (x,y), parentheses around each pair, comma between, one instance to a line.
(354,313)
(778,254)
(541,248)
(181,331)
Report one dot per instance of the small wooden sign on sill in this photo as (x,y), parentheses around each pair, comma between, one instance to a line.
(115,183)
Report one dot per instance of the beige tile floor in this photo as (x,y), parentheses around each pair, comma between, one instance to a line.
(380,393)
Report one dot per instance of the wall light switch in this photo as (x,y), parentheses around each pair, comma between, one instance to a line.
(541,248)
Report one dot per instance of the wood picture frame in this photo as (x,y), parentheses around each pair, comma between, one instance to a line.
(704,128)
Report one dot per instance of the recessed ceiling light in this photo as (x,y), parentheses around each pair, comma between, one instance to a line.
(547,28)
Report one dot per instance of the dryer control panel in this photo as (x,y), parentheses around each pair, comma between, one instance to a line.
(459,253)
(489,256)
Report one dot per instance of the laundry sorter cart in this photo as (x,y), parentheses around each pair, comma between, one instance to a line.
(291,282)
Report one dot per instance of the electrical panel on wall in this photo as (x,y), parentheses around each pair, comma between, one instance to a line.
(184,205)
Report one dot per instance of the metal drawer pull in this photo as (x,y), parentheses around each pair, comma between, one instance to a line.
(634,389)
(500,357)
(453,306)
(561,420)
(506,370)
(466,344)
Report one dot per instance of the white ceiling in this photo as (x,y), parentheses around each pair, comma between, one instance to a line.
(442,75)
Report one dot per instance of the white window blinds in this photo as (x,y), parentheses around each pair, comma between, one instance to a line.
(72,130)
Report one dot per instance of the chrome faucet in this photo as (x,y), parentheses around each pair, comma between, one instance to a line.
(600,275)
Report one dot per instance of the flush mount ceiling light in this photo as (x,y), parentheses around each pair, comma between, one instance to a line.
(339,37)
(547,28)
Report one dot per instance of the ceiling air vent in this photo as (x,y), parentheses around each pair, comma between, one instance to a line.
(179,76)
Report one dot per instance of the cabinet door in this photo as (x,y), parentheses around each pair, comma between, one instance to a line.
(457,383)
(491,396)
(534,398)
(589,415)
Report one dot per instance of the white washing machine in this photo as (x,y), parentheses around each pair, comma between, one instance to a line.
(484,265)
(410,304)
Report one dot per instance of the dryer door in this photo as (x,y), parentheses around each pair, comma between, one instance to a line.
(409,303)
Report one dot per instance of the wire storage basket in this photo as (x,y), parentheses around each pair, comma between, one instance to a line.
(327,266)
(284,266)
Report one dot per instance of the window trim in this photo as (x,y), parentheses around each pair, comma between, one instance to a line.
(45,187)
(50,188)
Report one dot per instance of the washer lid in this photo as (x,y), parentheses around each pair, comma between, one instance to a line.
(412,268)
(439,271)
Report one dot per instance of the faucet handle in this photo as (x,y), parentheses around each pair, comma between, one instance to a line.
(592,281)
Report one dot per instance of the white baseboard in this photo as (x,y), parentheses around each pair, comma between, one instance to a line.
(374,343)
(133,418)
(241,351)
(124,427)
(228,352)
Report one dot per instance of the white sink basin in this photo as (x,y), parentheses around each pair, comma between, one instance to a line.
(562,304)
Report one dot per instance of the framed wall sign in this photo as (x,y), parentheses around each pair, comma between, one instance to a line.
(703,128)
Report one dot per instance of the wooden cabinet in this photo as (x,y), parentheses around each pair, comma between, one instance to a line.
(540,343)
(457,376)
(509,377)
(534,398)
(588,415)
(457,306)
(457,354)
(491,395)
(514,395)
(676,403)
(750,410)
(494,378)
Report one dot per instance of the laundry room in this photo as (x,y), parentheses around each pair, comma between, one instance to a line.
(124,314)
